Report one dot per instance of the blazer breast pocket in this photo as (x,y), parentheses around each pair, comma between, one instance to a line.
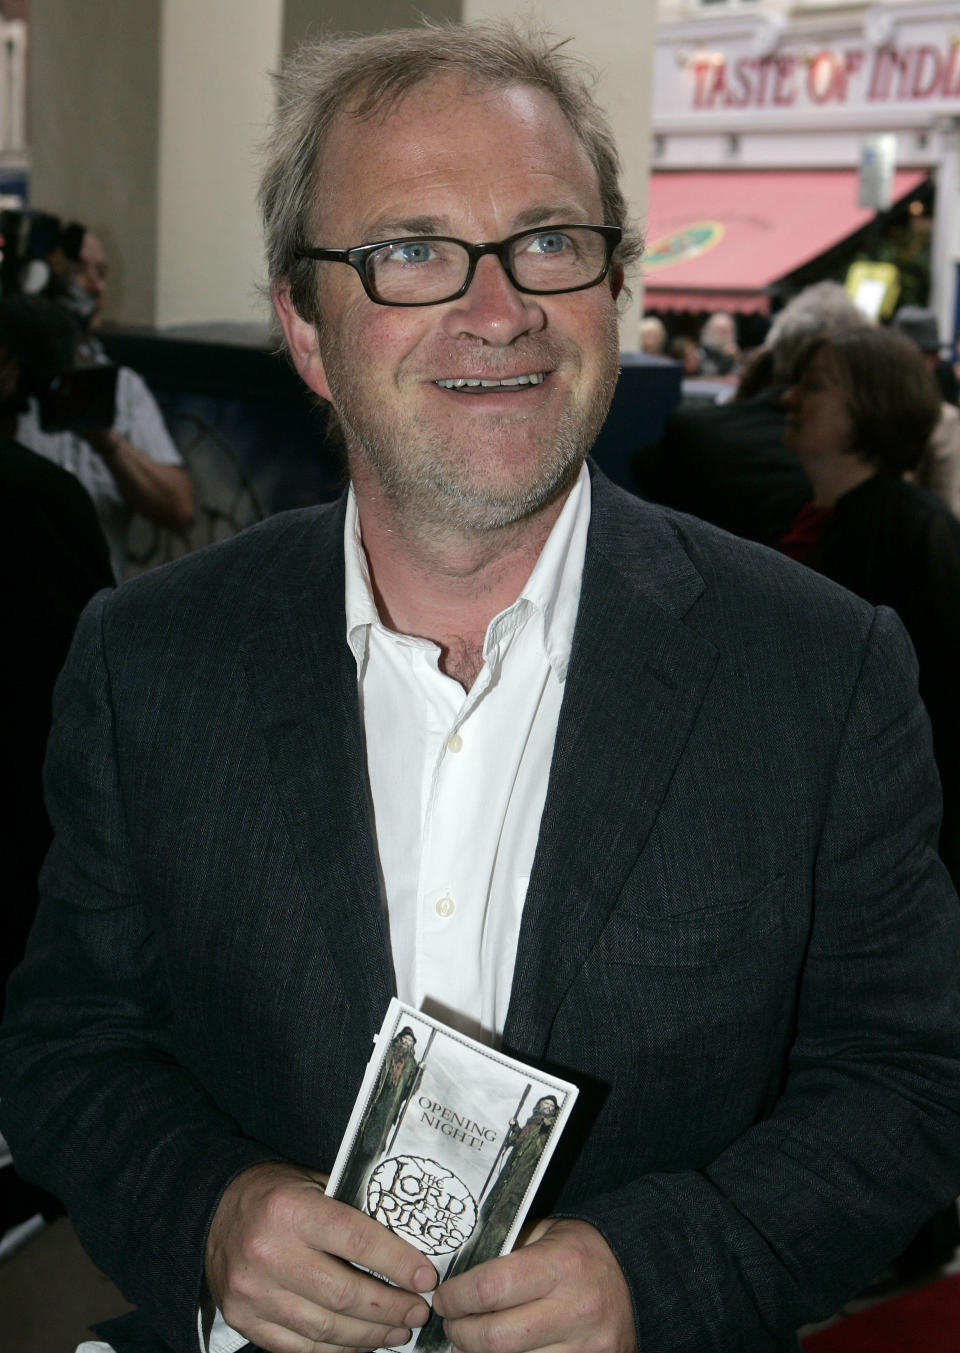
(743,932)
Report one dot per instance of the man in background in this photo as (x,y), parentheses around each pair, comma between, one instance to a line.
(131,465)
(720,353)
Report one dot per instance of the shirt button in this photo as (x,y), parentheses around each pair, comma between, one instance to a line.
(445,906)
(454,742)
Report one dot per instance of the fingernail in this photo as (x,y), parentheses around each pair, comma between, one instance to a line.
(425,1278)
(396,1337)
(418,1315)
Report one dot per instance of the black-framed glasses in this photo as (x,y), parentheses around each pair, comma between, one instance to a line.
(430,269)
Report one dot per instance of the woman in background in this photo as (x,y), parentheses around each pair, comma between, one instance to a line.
(859,416)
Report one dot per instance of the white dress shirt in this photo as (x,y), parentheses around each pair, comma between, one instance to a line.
(140,421)
(458,781)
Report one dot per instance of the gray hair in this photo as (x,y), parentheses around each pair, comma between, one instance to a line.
(824,308)
(375,70)
(720,325)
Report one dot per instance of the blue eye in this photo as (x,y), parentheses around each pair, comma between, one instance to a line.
(549,242)
(411,251)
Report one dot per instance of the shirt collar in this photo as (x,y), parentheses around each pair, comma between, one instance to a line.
(553,588)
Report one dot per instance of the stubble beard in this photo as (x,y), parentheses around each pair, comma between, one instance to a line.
(429,488)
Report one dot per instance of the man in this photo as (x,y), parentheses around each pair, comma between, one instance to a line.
(524,1146)
(727,463)
(719,351)
(623,794)
(394,1085)
(131,466)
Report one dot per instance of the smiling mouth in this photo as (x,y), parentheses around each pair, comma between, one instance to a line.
(476,384)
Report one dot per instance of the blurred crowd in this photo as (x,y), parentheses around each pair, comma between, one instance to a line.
(839,445)
(837,442)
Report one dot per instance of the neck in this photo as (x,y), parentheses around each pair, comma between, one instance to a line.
(446,586)
(833,478)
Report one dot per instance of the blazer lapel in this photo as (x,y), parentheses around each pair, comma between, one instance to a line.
(636,680)
(304,680)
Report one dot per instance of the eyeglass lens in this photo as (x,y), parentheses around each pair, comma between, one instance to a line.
(417,270)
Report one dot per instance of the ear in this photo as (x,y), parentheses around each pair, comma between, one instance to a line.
(616,280)
(301,338)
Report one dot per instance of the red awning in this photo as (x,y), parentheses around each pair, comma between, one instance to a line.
(715,240)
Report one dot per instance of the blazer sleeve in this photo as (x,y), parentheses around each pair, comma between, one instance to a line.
(864,1142)
(91,1099)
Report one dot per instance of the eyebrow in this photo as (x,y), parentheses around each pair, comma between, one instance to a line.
(387,228)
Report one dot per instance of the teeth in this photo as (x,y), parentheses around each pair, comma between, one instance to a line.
(462,382)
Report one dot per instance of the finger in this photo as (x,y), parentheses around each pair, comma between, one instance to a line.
(520,1330)
(301,1334)
(348,1233)
(328,1287)
(511,1280)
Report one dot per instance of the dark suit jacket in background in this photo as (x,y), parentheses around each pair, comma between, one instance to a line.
(727,464)
(896,545)
(53,558)
(737,936)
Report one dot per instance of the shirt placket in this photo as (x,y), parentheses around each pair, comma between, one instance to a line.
(452,878)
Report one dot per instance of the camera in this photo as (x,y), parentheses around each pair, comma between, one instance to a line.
(46,355)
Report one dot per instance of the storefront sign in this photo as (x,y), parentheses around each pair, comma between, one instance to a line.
(850,76)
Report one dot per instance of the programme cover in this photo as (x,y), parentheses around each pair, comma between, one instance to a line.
(447,1143)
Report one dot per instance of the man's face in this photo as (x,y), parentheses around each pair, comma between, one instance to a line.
(476,163)
(89,271)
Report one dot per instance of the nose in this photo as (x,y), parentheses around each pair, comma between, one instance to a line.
(492,309)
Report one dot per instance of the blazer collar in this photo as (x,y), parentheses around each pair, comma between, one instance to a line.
(638,675)
(304,680)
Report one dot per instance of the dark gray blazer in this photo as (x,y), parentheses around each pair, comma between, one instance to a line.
(737,937)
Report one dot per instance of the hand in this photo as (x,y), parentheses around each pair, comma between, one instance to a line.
(562,1289)
(278,1265)
(104,441)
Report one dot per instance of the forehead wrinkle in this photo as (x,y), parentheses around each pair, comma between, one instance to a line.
(392,227)
(461,197)
(458,203)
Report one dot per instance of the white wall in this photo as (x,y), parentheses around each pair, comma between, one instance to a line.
(215,98)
